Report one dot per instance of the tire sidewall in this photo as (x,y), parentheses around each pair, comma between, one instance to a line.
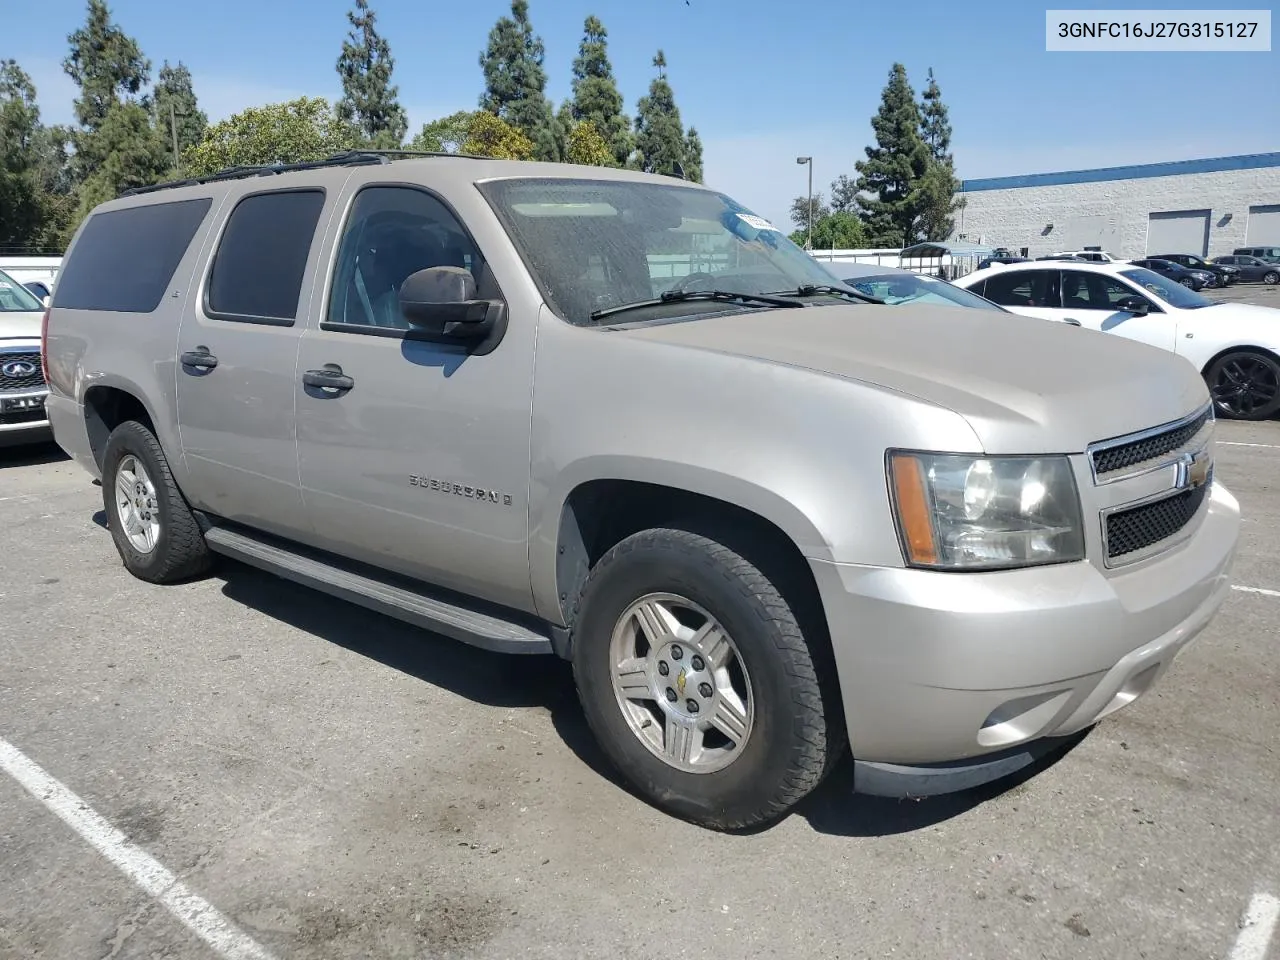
(654,569)
(1262,413)
(131,439)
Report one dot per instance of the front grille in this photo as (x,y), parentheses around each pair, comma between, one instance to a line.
(31,381)
(1129,531)
(1124,455)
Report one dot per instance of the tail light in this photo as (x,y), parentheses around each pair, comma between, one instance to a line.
(44,345)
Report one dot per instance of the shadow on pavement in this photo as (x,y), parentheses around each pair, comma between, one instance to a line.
(33,455)
(546,682)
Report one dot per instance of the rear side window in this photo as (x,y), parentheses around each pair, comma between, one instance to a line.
(257,270)
(125,259)
(1023,288)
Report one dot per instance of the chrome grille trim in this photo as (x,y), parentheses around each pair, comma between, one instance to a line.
(1169,441)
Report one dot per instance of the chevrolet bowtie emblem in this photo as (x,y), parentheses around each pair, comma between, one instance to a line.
(1194,470)
(681,678)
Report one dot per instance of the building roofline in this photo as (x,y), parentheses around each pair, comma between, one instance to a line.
(1142,171)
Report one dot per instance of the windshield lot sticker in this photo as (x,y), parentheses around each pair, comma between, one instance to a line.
(759,223)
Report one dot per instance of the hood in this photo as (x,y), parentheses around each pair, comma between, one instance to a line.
(20,326)
(1025,385)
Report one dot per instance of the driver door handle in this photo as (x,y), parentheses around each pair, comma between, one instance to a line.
(200,358)
(1071,320)
(328,377)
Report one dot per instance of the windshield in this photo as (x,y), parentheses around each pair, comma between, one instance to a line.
(596,244)
(1170,291)
(15,298)
(914,288)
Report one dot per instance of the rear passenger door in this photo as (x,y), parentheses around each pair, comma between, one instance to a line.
(238,350)
(419,462)
(1030,292)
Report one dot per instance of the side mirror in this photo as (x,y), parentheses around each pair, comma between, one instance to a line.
(441,302)
(47,302)
(1138,306)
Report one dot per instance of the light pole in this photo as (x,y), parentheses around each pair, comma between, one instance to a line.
(808,244)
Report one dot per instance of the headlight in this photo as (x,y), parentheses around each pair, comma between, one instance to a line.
(981,513)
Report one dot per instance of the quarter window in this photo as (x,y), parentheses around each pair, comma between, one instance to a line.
(1023,288)
(262,256)
(393,232)
(124,259)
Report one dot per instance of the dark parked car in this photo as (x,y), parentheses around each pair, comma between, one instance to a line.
(38,288)
(1223,273)
(1253,269)
(1193,279)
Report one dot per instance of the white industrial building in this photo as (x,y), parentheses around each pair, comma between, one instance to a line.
(1206,207)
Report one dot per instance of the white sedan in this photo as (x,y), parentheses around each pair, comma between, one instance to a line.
(1235,346)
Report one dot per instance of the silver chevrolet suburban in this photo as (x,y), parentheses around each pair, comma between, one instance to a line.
(620,418)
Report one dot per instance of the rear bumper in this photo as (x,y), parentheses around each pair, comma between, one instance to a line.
(939,667)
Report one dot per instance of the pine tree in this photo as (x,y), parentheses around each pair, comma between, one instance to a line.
(175,111)
(117,147)
(515,82)
(595,92)
(891,174)
(21,214)
(369,100)
(659,135)
(939,203)
(693,155)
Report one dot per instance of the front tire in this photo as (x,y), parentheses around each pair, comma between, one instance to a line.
(154,529)
(1271,277)
(698,683)
(1245,385)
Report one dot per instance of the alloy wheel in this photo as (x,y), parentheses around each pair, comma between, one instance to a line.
(137,504)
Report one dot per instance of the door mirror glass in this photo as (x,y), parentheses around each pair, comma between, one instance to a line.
(1138,306)
(442,301)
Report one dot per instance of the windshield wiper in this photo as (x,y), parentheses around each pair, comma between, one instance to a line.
(813,289)
(679,296)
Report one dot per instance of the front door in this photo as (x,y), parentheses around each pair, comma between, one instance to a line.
(1091,298)
(418,460)
(237,351)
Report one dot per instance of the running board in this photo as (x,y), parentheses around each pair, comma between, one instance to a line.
(414,606)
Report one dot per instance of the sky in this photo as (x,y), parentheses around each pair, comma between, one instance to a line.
(763,81)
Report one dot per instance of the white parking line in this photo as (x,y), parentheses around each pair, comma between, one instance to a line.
(196,913)
(1256,927)
(1238,443)
(1261,590)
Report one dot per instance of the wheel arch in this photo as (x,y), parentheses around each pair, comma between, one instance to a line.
(109,402)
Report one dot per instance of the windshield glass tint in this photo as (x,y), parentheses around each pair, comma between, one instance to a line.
(1168,290)
(15,298)
(595,244)
(911,288)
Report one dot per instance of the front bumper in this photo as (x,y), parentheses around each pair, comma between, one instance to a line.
(24,418)
(942,667)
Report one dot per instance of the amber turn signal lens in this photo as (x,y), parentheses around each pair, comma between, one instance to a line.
(913,508)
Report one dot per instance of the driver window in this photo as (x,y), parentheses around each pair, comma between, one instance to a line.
(393,232)
(1093,291)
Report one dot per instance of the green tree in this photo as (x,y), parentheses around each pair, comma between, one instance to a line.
(659,135)
(693,155)
(21,213)
(844,194)
(595,92)
(890,177)
(107,65)
(490,136)
(588,147)
(294,132)
(175,110)
(117,146)
(834,230)
(369,100)
(446,135)
(939,186)
(515,82)
(800,211)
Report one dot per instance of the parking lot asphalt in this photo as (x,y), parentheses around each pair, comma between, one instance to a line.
(336,785)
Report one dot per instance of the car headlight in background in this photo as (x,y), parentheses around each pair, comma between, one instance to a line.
(961,512)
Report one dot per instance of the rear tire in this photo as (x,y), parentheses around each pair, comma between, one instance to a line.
(154,529)
(652,616)
(1245,385)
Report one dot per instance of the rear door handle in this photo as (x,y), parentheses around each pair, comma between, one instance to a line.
(1071,320)
(199,358)
(328,377)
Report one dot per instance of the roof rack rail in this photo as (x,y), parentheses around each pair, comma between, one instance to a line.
(346,158)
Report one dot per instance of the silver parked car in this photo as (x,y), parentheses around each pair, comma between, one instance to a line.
(22,388)
(620,418)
